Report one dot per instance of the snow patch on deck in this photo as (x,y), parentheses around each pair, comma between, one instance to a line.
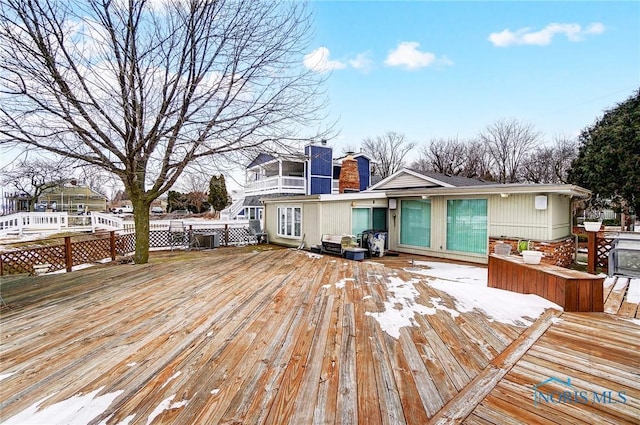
(401,307)
(499,305)
(467,285)
(77,410)
(449,271)
(166,405)
(633,293)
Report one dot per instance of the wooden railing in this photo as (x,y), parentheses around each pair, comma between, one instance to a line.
(68,254)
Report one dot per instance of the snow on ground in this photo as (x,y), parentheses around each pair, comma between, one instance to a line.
(6,240)
(77,410)
(633,293)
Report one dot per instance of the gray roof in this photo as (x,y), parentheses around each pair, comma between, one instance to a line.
(453,180)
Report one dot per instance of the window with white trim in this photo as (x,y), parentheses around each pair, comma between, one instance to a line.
(290,222)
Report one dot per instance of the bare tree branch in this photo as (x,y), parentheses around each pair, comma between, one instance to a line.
(143,89)
(388,151)
(509,142)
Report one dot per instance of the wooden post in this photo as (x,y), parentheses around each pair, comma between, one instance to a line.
(226,235)
(112,244)
(592,252)
(68,256)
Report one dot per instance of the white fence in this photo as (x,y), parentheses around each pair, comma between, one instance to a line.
(33,222)
(46,222)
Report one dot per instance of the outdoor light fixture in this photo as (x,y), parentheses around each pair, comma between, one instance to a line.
(540,202)
(504,195)
(425,196)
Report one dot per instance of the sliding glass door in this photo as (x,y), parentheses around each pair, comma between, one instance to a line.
(415,222)
(467,225)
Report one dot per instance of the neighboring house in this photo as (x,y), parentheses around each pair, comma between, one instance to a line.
(312,172)
(73,198)
(15,202)
(436,215)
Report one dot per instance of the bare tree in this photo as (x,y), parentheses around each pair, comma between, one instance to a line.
(143,88)
(388,151)
(478,161)
(509,141)
(35,176)
(97,178)
(195,181)
(550,164)
(454,157)
(566,150)
(446,156)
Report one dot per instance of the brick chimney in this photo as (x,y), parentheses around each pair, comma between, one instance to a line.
(349,178)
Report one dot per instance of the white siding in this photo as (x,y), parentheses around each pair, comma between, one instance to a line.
(403,181)
(318,218)
(271,222)
(561,216)
(335,218)
(310,230)
(516,217)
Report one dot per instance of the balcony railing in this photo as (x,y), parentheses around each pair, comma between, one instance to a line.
(276,184)
(335,186)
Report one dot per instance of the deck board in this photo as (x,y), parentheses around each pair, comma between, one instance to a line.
(616,296)
(598,352)
(279,336)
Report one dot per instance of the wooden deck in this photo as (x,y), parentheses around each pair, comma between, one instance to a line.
(281,336)
(616,295)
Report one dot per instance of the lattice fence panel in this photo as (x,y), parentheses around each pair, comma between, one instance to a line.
(90,251)
(125,243)
(158,238)
(604,246)
(22,261)
(237,236)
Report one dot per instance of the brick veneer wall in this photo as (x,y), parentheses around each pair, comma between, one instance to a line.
(559,252)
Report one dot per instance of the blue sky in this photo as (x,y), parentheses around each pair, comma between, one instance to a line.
(445,69)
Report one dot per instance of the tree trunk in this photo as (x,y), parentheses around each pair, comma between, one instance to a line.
(141,220)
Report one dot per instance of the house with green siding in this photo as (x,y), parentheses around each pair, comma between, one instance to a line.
(436,215)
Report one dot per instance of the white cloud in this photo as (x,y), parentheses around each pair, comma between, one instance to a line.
(319,61)
(361,62)
(409,56)
(525,36)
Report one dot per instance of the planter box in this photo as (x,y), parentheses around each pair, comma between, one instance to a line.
(571,289)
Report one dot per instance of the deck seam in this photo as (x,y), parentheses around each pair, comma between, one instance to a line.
(464,403)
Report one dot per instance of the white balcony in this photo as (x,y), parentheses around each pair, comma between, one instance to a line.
(276,184)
